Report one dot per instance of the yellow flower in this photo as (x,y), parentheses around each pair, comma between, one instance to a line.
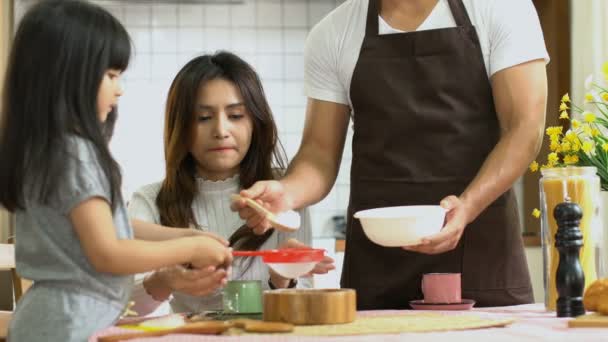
(534,166)
(576,146)
(588,97)
(605,70)
(553,130)
(587,129)
(589,117)
(575,124)
(571,136)
(555,146)
(564,115)
(605,97)
(563,106)
(587,147)
(595,132)
(605,147)
(552,158)
(566,98)
(536,213)
(565,146)
(571,159)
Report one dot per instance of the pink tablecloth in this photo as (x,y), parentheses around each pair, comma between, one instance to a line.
(532,324)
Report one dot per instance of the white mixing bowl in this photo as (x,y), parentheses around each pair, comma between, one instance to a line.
(401,226)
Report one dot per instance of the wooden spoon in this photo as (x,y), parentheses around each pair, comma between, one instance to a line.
(287,221)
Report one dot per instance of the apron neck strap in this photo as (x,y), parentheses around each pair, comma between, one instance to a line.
(371,25)
(461,17)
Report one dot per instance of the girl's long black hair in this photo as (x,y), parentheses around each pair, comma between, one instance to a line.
(59,56)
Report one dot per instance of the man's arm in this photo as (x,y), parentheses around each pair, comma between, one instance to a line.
(520,97)
(314,169)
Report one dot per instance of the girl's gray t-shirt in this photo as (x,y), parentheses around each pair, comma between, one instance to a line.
(49,252)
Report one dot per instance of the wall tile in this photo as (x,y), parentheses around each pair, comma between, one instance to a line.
(140,67)
(317,10)
(243,15)
(164,67)
(294,67)
(270,67)
(190,39)
(190,15)
(294,118)
(294,94)
(216,39)
(142,39)
(164,15)
(138,15)
(274,94)
(217,16)
(164,40)
(268,13)
(295,14)
(294,40)
(244,41)
(269,41)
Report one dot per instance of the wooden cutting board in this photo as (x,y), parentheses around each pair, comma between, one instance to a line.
(593,320)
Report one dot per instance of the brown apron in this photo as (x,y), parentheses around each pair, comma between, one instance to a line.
(425,122)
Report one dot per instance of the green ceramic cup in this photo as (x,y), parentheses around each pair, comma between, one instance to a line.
(243,296)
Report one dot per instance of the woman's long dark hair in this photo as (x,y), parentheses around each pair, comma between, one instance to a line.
(264,157)
(59,56)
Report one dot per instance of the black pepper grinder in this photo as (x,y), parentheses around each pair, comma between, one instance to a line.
(570,279)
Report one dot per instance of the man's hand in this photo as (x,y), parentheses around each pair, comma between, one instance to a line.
(270,194)
(450,234)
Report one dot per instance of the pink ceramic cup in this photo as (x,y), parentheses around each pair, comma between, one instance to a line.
(441,288)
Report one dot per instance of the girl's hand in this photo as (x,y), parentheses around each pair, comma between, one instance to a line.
(210,252)
(194,282)
(197,232)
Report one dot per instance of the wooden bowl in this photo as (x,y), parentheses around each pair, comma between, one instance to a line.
(310,306)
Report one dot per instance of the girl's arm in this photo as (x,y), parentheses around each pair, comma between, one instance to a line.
(92,220)
(154,232)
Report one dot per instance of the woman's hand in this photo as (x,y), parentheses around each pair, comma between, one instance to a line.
(322,267)
(449,236)
(201,282)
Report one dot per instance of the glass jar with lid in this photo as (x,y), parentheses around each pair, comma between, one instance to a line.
(580,185)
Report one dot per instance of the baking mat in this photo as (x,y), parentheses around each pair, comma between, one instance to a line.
(422,322)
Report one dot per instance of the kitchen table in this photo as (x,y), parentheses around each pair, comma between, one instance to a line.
(532,323)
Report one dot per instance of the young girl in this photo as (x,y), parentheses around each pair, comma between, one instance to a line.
(220,137)
(57,175)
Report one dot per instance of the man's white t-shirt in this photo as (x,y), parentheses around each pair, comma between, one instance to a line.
(509,32)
